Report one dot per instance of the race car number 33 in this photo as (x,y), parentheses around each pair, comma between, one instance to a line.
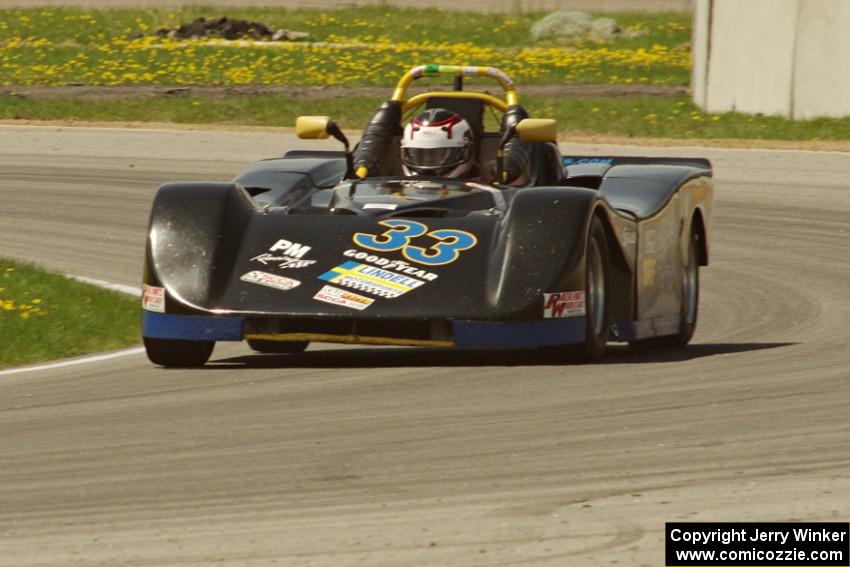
(399,234)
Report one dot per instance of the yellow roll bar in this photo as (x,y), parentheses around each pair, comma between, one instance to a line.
(415,101)
(511,97)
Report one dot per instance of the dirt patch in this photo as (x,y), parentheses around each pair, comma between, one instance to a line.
(229,28)
(103,93)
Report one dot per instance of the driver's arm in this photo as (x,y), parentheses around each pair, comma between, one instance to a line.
(384,126)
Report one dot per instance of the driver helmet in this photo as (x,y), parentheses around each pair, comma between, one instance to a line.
(439,143)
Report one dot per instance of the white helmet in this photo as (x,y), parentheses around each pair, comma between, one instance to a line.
(439,143)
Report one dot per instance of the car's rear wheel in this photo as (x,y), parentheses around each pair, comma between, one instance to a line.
(598,322)
(177,353)
(689,306)
(277,347)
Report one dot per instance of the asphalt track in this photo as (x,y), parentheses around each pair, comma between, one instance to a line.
(377,456)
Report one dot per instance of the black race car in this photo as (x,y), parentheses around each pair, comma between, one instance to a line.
(340,247)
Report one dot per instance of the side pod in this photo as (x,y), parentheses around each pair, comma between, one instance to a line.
(194,237)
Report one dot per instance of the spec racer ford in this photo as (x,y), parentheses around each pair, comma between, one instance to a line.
(535,250)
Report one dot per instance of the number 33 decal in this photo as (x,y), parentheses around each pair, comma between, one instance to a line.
(450,242)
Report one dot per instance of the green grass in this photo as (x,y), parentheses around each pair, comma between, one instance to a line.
(678,117)
(45,316)
(365,23)
(366,46)
(667,117)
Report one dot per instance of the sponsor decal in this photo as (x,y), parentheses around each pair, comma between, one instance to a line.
(270,280)
(649,243)
(336,296)
(574,161)
(396,265)
(563,304)
(288,255)
(401,232)
(386,206)
(371,279)
(649,272)
(288,248)
(153,298)
(283,261)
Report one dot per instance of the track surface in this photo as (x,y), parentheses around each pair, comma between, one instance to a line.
(369,456)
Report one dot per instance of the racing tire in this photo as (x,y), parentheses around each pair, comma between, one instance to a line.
(173,353)
(598,324)
(689,307)
(277,347)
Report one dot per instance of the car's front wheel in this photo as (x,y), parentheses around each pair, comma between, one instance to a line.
(177,353)
(595,293)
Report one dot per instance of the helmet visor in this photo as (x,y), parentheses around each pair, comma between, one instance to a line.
(433,157)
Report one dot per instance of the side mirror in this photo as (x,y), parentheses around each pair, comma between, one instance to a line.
(312,127)
(320,128)
(537,130)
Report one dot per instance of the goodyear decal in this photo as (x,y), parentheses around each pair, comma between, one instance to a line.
(387,264)
(371,279)
(445,247)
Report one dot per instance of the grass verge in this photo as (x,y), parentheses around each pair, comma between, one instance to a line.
(362,46)
(45,316)
(666,117)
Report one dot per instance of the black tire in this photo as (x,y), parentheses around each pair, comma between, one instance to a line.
(178,354)
(277,347)
(690,295)
(595,292)
(688,308)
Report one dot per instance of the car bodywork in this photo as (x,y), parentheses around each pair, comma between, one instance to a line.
(297,249)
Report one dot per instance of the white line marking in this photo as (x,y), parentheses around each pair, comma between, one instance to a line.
(73,361)
(128,289)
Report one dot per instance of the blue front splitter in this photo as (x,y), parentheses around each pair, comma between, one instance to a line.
(192,327)
(472,334)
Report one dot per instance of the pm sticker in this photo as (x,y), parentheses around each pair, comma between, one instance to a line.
(270,280)
(336,296)
(153,298)
(286,254)
(563,304)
